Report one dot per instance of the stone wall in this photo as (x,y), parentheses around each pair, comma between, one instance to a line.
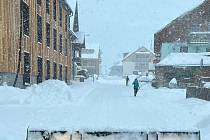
(198,92)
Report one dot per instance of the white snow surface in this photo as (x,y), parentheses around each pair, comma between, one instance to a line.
(185,59)
(104,105)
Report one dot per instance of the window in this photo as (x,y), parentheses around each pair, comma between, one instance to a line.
(48,6)
(39,28)
(25,18)
(27,69)
(48,70)
(54,10)
(48,34)
(66,23)
(54,71)
(60,48)
(66,74)
(55,39)
(184,49)
(195,28)
(39,2)
(60,72)
(61,14)
(40,72)
(197,49)
(207,49)
(66,49)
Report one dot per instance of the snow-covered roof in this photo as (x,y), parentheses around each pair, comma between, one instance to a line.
(80,38)
(91,51)
(186,59)
(141,50)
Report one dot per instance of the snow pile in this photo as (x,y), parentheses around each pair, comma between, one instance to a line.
(49,92)
(11,95)
(173,83)
(207,85)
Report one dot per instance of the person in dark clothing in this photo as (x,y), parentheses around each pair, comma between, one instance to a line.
(135,86)
(127,80)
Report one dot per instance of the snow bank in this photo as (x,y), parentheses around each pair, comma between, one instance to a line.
(48,92)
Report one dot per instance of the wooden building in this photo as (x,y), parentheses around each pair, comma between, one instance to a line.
(36,35)
(179,30)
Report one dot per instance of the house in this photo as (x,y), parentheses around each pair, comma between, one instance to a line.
(140,60)
(91,59)
(184,28)
(197,42)
(187,68)
(35,42)
(116,70)
(78,44)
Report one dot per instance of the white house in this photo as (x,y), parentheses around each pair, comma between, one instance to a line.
(140,60)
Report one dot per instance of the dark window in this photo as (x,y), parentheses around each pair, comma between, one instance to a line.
(54,71)
(66,44)
(27,69)
(61,44)
(61,14)
(207,49)
(195,28)
(39,28)
(48,34)
(40,72)
(54,9)
(25,18)
(48,6)
(197,49)
(66,23)
(39,2)
(66,74)
(184,49)
(55,39)
(48,70)
(60,72)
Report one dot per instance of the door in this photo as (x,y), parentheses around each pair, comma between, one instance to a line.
(27,69)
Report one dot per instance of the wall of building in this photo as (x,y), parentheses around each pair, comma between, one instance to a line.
(10,34)
(92,65)
(179,29)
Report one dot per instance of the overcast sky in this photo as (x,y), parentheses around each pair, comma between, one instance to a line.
(124,25)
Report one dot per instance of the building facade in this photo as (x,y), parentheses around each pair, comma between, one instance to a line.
(78,44)
(138,61)
(35,41)
(179,30)
(187,68)
(91,60)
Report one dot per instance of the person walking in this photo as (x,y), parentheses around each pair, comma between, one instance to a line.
(127,80)
(135,86)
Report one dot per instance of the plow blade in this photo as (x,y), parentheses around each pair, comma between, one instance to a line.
(66,135)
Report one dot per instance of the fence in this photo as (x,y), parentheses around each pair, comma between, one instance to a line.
(65,135)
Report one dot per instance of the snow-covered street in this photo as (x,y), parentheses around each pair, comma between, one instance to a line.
(104,105)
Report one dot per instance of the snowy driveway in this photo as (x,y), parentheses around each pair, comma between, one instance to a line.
(108,104)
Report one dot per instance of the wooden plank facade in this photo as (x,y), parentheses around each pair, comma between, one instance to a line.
(41,47)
